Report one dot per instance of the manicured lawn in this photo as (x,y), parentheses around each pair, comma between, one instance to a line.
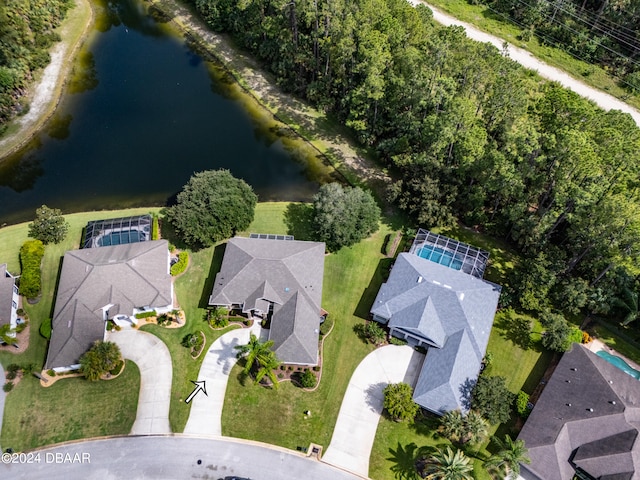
(351,280)
(485,19)
(11,238)
(70,409)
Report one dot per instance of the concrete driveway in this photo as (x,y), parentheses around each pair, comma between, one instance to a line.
(152,357)
(206,410)
(355,429)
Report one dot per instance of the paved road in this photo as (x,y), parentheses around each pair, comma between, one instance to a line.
(355,430)
(603,100)
(154,361)
(205,417)
(170,457)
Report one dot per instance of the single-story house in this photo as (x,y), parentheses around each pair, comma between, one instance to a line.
(106,283)
(280,280)
(8,298)
(435,298)
(585,422)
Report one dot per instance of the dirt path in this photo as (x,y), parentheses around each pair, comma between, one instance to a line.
(523,57)
(46,93)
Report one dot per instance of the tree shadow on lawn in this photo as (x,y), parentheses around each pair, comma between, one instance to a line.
(404,461)
(216,263)
(517,329)
(369,295)
(298,217)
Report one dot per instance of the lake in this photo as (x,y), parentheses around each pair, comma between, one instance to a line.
(141,113)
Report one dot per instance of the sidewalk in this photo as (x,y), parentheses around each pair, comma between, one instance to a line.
(205,417)
(355,429)
(152,357)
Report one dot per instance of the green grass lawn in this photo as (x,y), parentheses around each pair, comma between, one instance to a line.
(70,409)
(485,19)
(11,238)
(352,277)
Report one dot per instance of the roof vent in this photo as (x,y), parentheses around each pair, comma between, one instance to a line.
(613,402)
(420,279)
(286,289)
(574,369)
(568,404)
(568,381)
(447,286)
(436,282)
(610,381)
(590,409)
(461,296)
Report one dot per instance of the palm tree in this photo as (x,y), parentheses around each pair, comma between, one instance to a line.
(254,351)
(475,427)
(7,334)
(452,426)
(628,303)
(446,464)
(268,365)
(506,463)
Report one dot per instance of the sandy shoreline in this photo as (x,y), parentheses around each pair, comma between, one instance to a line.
(48,90)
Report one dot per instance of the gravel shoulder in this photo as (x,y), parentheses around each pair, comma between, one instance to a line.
(47,90)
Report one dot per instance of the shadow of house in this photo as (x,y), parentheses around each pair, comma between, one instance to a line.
(585,423)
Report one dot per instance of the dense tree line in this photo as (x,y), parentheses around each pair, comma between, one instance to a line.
(26,33)
(603,32)
(472,134)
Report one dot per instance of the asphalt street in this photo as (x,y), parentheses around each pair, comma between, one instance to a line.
(167,457)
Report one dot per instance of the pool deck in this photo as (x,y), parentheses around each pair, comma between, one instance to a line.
(596,345)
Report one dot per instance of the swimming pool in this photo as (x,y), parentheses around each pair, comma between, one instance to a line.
(121,237)
(438,255)
(620,363)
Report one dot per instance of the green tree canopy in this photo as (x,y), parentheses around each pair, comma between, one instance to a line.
(214,205)
(492,399)
(344,216)
(506,462)
(259,355)
(99,359)
(49,226)
(398,401)
(445,464)
(557,336)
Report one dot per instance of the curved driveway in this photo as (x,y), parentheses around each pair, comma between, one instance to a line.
(152,357)
(205,417)
(170,457)
(355,430)
(526,59)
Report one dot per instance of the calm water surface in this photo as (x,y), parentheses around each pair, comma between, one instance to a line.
(142,113)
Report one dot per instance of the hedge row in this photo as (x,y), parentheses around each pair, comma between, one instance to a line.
(155,228)
(31,254)
(181,265)
(150,313)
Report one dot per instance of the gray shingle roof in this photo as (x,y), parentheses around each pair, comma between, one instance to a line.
(449,309)
(6,295)
(562,427)
(256,272)
(126,276)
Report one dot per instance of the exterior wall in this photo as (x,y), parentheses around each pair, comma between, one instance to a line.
(67,369)
(412,340)
(380,319)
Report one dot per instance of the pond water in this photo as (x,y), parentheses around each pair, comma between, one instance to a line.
(142,112)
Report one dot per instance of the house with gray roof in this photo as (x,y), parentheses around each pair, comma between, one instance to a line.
(100,284)
(8,298)
(585,422)
(434,303)
(278,279)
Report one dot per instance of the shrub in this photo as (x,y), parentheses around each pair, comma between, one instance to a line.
(110,325)
(117,368)
(325,327)
(316,368)
(101,358)
(8,387)
(492,399)
(181,265)
(218,317)
(45,328)
(163,319)
(51,373)
(155,228)
(20,312)
(31,254)
(522,404)
(151,313)
(397,341)
(29,368)
(586,338)
(308,379)
(21,326)
(398,401)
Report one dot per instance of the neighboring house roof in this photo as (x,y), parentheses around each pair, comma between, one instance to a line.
(258,272)
(452,311)
(588,414)
(123,276)
(6,294)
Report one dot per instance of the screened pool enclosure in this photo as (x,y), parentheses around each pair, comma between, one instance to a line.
(450,253)
(117,231)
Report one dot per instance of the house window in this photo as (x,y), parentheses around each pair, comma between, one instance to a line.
(14,304)
(15,290)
